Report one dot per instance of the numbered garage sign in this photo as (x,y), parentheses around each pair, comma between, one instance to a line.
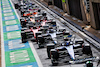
(14,52)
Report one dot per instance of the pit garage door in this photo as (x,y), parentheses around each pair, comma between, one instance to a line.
(75,8)
(46,0)
(96,9)
(58,3)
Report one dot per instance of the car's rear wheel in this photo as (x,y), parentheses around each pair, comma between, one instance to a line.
(49,47)
(54,57)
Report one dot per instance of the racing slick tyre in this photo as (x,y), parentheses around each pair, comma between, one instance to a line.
(54,57)
(23,29)
(16,6)
(44,14)
(23,37)
(32,39)
(41,41)
(38,33)
(87,50)
(89,64)
(23,23)
(49,47)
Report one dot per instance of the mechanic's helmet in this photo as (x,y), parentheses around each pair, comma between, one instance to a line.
(51,31)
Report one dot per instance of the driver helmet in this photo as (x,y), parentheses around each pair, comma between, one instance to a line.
(51,31)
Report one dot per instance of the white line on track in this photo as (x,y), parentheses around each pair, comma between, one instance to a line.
(35,54)
(14,10)
(2,41)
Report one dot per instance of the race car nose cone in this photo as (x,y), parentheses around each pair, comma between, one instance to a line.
(71,43)
(71,62)
(87,45)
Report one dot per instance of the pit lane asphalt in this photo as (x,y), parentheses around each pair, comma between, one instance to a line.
(42,53)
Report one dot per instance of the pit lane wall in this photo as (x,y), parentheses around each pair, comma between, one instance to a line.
(14,53)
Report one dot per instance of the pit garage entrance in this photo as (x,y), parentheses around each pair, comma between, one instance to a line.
(58,3)
(96,10)
(75,8)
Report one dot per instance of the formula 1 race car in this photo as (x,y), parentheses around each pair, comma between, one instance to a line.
(32,30)
(32,21)
(48,34)
(36,19)
(72,53)
(58,39)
